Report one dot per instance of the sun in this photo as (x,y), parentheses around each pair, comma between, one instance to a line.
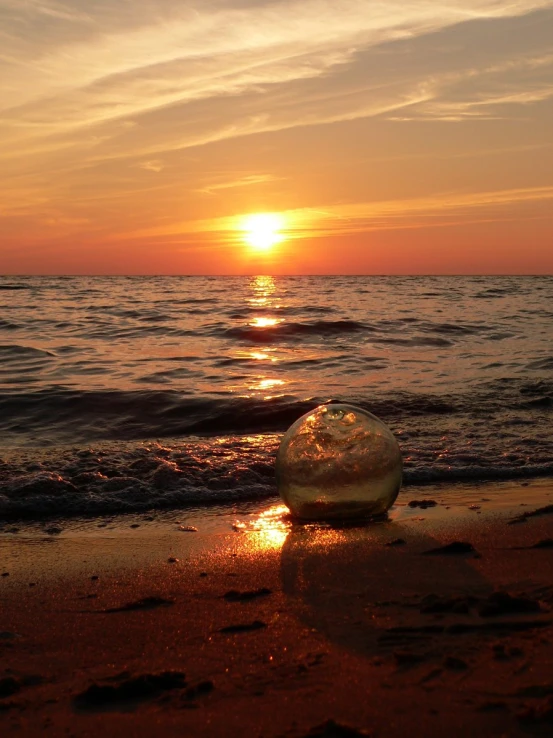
(262,230)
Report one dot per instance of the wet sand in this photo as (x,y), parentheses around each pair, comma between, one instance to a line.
(252,626)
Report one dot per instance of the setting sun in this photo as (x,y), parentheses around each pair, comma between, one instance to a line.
(262,230)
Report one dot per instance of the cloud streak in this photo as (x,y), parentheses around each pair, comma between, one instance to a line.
(441,210)
(121,115)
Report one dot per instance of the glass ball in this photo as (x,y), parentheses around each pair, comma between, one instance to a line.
(338,461)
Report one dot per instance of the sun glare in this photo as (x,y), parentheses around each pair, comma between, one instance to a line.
(262,230)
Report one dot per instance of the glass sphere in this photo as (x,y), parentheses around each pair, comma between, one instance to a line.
(338,461)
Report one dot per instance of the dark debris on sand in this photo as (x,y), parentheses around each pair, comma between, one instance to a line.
(243,627)
(200,689)
(496,604)
(332,729)
(502,603)
(536,691)
(459,605)
(451,549)
(423,504)
(506,626)
(234,595)
(454,663)
(538,714)
(10,685)
(408,658)
(7,635)
(545,543)
(129,690)
(547,510)
(146,603)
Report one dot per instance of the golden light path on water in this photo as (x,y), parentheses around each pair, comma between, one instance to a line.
(263,298)
(265,322)
(263,287)
(268,384)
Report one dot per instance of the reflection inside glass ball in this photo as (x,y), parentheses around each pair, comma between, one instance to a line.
(338,461)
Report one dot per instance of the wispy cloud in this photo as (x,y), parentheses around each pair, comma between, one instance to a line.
(366,216)
(131,101)
(153,165)
(116,65)
(250,180)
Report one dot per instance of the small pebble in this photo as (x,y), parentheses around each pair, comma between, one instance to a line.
(422,503)
(452,662)
(188,529)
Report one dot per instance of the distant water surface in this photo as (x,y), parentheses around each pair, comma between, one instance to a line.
(95,370)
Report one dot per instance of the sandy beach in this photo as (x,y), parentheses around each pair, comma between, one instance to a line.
(436,622)
(276,369)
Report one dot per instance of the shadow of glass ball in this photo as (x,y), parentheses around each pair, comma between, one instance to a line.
(338,462)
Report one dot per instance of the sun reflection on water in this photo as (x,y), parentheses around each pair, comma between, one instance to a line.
(263,298)
(263,287)
(265,322)
(263,384)
(261,356)
(267,354)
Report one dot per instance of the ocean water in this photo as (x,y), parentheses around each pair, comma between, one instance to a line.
(130,393)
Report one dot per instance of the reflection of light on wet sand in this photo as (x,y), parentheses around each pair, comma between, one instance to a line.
(268,529)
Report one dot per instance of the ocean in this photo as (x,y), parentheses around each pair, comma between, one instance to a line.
(128,394)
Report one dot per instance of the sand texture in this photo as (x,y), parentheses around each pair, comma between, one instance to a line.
(438,622)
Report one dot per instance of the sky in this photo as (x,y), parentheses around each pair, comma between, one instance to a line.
(388,136)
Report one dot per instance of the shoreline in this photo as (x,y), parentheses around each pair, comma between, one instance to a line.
(115,477)
(281,627)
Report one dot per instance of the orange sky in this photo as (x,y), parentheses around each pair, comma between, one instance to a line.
(398,137)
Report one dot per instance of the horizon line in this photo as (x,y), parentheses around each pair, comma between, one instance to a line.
(267,274)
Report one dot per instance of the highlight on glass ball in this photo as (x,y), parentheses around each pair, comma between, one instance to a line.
(338,462)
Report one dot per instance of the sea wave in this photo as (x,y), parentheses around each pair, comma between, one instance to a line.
(94,365)
(268,334)
(61,415)
(119,478)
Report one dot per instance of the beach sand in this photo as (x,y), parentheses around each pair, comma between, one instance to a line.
(251,626)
